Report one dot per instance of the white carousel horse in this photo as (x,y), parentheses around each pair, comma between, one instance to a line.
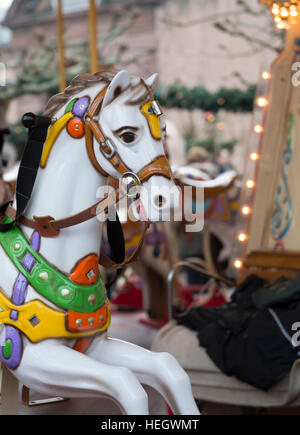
(43,355)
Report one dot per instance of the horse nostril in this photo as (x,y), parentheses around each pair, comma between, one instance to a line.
(159,201)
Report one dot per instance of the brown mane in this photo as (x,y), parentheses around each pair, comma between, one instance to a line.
(83,81)
(78,84)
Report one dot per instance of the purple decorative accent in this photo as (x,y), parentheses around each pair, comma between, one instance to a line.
(80,107)
(19,292)
(154,238)
(21,283)
(17,347)
(219,206)
(18,298)
(28,261)
(35,241)
(14,315)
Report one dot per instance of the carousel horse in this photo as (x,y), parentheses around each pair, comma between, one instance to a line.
(53,301)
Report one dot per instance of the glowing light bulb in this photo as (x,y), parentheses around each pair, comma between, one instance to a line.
(250,184)
(277,20)
(246,210)
(293,11)
(275,9)
(258,128)
(261,101)
(237,264)
(284,12)
(266,75)
(254,156)
(242,237)
(281,25)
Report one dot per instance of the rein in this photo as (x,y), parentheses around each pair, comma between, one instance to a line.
(33,156)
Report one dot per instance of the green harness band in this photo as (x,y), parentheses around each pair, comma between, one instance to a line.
(48,281)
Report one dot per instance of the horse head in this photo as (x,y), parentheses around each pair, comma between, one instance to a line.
(120,121)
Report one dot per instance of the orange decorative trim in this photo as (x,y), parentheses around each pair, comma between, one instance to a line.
(86,271)
(80,322)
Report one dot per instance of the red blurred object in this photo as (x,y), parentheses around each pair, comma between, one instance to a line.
(156,324)
(169,410)
(198,293)
(131,295)
(216,301)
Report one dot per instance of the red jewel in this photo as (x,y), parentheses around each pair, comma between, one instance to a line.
(75,128)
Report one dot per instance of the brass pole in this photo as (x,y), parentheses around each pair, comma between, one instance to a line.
(61,47)
(93,37)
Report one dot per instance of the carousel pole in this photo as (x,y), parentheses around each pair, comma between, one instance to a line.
(93,37)
(61,47)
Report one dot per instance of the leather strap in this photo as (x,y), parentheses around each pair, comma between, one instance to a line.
(37,132)
(90,148)
(94,111)
(158,166)
(110,264)
(47,226)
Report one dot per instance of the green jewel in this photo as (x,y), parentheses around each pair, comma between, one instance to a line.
(70,105)
(7,349)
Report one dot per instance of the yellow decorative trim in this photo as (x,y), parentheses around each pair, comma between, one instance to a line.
(133,242)
(52,323)
(52,135)
(153,120)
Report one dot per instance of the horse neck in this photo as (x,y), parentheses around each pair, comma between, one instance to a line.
(66,186)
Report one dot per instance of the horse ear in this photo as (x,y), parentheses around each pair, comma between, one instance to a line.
(119,83)
(152,81)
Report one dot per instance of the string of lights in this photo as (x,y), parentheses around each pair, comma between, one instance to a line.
(282,11)
(261,104)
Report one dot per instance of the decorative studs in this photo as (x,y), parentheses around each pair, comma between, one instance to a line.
(101,317)
(17,246)
(44,276)
(90,274)
(65,292)
(34,320)
(78,322)
(92,299)
(91,320)
(75,128)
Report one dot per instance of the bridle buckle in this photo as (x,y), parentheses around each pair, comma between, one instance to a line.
(107,143)
(129,184)
(155,109)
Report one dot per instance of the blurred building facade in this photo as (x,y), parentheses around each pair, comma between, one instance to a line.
(180,39)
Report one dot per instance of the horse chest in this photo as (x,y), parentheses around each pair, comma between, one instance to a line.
(44,302)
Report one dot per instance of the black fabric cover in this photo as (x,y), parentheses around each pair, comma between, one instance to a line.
(246,341)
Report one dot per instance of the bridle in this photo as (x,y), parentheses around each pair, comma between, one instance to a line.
(158,166)
(47,226)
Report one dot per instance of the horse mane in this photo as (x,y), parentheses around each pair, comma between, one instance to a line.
(78,84)
(83,81)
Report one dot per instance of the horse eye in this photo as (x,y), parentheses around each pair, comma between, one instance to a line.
(128,137)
